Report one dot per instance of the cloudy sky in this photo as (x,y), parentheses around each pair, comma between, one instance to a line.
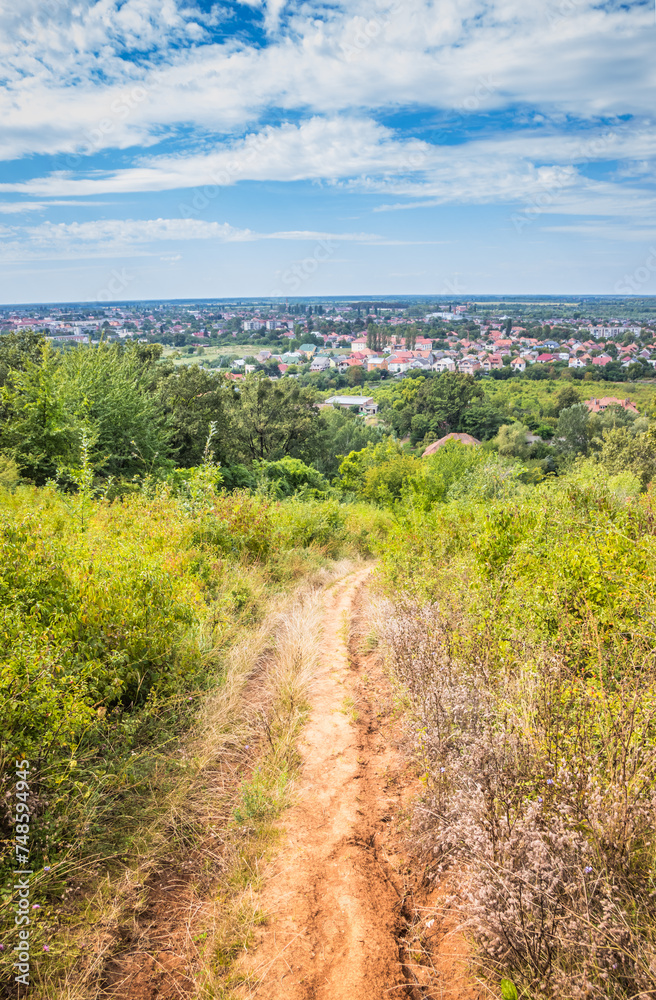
(163,148)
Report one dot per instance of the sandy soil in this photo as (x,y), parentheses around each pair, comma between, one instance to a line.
(346,915)
(350,914)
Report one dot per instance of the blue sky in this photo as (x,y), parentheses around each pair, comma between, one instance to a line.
(367,147)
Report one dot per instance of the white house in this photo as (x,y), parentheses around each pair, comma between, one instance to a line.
(365,404)
(320,364)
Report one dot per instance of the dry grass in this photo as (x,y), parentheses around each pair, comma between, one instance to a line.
(541,794)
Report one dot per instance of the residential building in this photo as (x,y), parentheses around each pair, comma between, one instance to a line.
(599,405)
(365,404)
(321,364)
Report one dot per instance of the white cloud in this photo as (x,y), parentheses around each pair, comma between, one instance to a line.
(546,168)
(140,237)
(19,207)
(471,54)
(119,232)
(557,87)
(319,148)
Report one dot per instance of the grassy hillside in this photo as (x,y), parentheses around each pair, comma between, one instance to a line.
(118,620)
(521,626)
(154,527)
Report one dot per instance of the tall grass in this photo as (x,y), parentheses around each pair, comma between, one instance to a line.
(523,634)
(116,628)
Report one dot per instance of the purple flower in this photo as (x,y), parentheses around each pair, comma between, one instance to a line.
(46,947)
(587,869)
(2,947)
(36,906)
(47,868)
(550,781)
(539,798)
(442,769)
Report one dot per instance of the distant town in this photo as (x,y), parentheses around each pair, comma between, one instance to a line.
(370,340)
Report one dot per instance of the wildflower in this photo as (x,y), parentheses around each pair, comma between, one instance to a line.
(46,868)
(442,769)
(46,947)
(2,947)
(587,869)
(539,798)
(36,906)
(550,781)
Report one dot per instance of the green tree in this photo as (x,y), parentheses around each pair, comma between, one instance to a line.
(377,473)
(355,375)
(290,475)
(17,349)
(566,397)
(419,427)
(511,440)
(623,451)
(9,474)
(338,433)
(481,419)
(272,419)
(445,400)
(572,429)
(39,431)
(437,473)
(108,389)
(193,399)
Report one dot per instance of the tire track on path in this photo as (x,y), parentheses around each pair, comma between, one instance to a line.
(335,898)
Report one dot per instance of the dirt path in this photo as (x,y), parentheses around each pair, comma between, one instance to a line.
(337,894)
(351,915)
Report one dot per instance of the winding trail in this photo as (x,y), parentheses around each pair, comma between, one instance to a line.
(350,912)
(334,894)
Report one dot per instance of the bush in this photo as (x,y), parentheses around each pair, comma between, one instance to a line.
(440,471)
(523,633)
(288,476)
(377,473)
(319,523)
